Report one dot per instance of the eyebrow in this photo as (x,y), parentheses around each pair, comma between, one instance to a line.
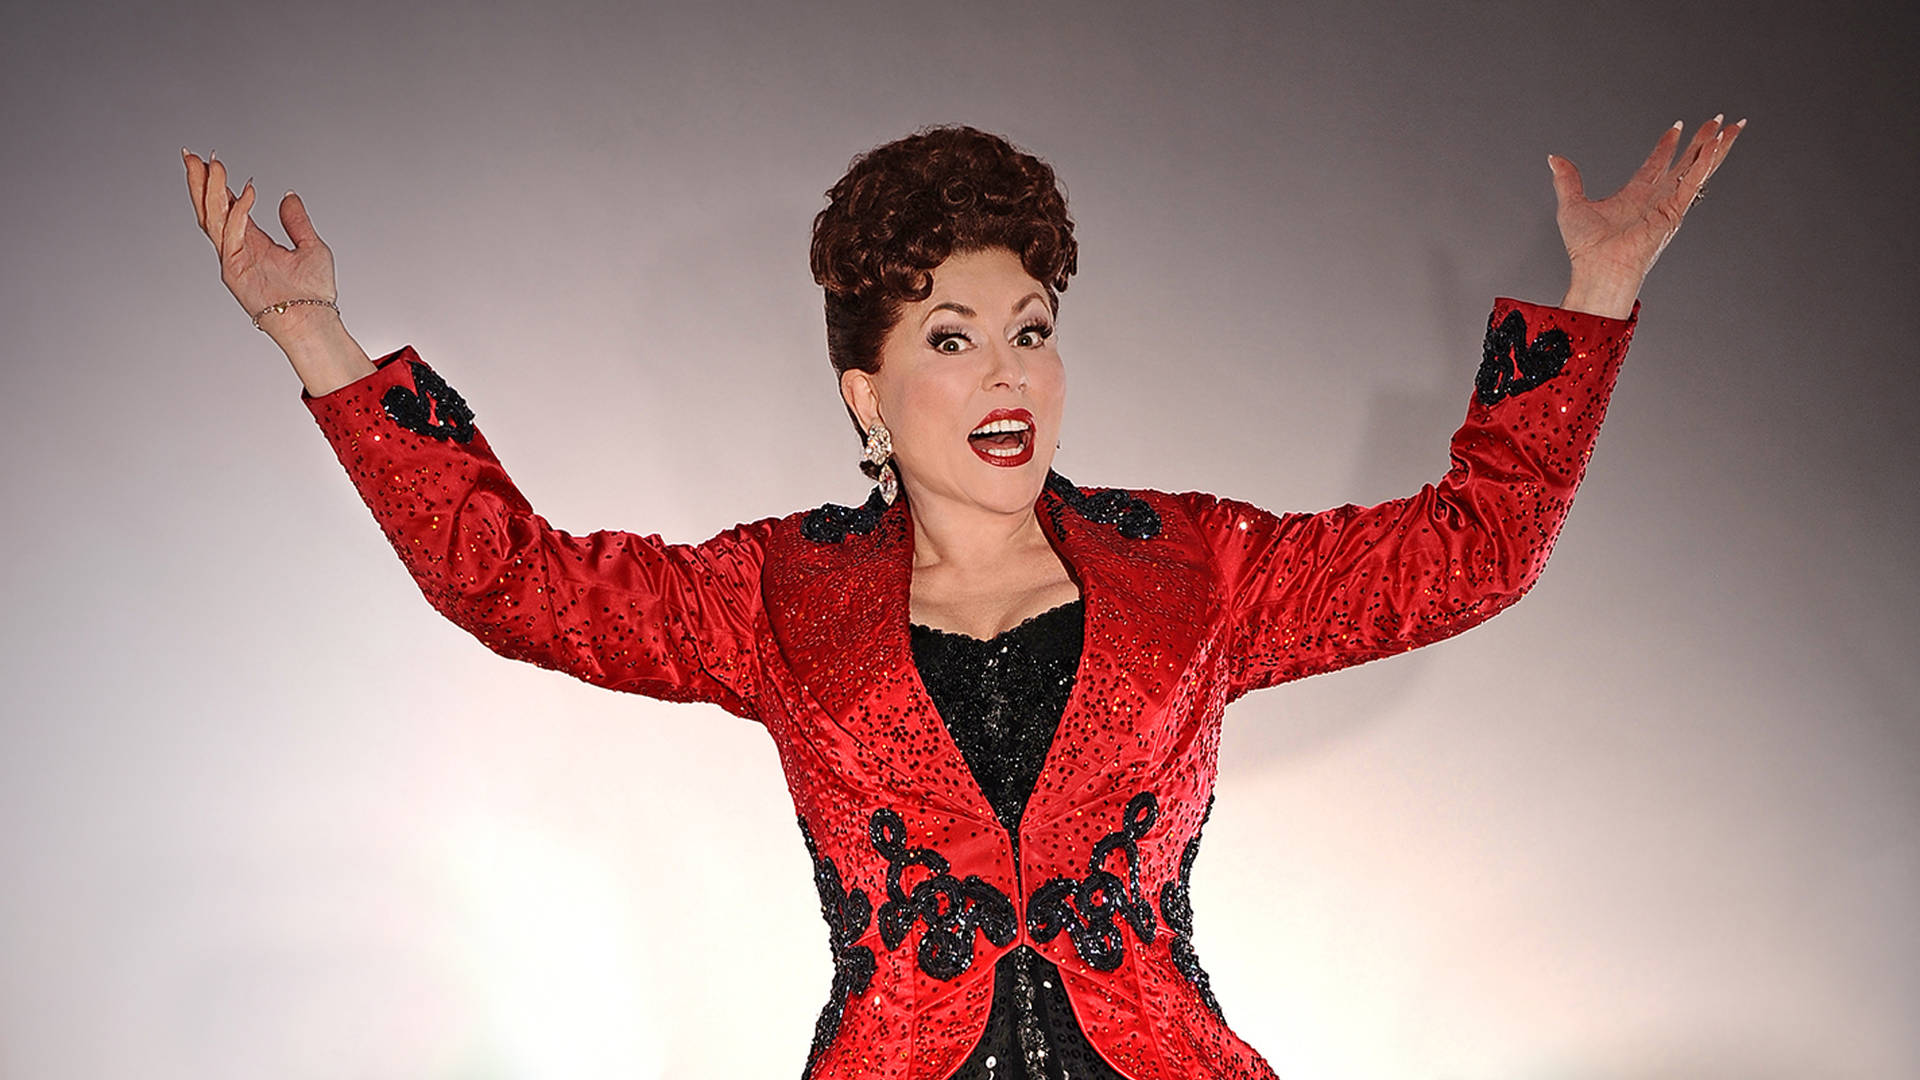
(964,311)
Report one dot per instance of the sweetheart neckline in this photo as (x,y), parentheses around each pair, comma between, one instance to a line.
(1022,624)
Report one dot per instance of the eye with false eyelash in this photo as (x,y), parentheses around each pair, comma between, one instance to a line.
(1037,329)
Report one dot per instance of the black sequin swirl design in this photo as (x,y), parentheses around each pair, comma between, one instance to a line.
(436,410)
(1129,514)
(1509,365)
(1176,907)
(831,523)
(846,913)
(952,909)
(1101,895)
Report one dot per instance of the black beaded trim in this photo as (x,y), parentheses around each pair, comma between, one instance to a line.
(1129,514)
(952,909)
(831,523)
(846,913)
(1176,907)
(1101,895)
(437,410)
(1510,366)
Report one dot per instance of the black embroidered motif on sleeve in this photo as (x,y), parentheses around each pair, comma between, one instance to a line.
(1176,907)
(831,523)
(1509,365)
(1101,895)
(1129,514)
(951,908)
(846,913)
(436,410)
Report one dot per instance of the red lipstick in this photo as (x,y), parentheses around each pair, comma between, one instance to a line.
(1008,448)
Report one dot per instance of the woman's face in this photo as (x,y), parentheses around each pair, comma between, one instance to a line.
(970,385)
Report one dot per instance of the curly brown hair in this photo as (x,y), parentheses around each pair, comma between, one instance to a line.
(905,206)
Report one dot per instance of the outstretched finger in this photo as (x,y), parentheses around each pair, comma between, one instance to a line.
(1697,150)
(1567,185)
(196,185)
(1723,144)
(293,217)
(1659,158)
(217,203)
(254,231)
(1699,164)
(234,234)
(1693,177)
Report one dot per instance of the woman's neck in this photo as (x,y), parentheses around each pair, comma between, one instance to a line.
(962,540)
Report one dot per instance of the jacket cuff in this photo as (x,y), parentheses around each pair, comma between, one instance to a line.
(1577,324)
(1531,345)
(408,395)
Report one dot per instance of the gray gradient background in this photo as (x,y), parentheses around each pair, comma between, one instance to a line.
(266,814)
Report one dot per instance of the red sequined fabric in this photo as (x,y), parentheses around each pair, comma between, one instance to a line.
(801,623)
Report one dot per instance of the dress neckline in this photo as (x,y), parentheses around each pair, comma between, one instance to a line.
(1016,627)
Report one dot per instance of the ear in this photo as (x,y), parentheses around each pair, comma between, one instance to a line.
(857,390)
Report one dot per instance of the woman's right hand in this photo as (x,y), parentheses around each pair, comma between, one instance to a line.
(259,272)
(256,269)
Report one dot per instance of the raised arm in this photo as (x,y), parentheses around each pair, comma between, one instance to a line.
(620,610)
(1314,592)
(616,609)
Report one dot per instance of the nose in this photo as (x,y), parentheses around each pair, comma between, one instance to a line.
(1009,367)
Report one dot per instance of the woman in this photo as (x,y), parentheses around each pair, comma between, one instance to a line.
(996,695)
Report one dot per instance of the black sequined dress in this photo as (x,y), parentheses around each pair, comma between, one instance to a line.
(1001,700)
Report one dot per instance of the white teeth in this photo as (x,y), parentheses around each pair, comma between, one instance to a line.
(997,426)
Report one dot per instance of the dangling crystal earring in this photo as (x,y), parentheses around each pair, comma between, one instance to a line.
(880,453)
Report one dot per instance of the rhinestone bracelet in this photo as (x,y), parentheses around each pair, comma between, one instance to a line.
(281,307)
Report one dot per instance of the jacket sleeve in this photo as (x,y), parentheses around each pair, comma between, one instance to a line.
(619,610)
(1310,593)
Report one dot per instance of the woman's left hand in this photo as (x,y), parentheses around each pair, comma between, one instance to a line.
(1613,242)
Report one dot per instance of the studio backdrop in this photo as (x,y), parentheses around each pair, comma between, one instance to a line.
(267,814)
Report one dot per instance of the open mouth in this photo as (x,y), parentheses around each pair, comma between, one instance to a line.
(1004,438)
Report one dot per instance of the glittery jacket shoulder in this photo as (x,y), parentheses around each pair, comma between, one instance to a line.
(801,623)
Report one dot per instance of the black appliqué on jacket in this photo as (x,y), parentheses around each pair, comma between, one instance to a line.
(432,408)
(1176,907)
(1129,514)
(846,913)
(951,908)
(831,523)
(1509,365)
(1101,895)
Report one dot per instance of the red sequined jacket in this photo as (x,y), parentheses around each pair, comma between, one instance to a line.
(801,623)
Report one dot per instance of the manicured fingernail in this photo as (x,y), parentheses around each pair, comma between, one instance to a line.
(1678,125)
(245,186)
(288,194)
(212,155)
(183,151)
(1742,123)
(1717,117)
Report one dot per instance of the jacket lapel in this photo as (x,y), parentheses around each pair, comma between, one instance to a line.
(1148,605)
(840,612)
